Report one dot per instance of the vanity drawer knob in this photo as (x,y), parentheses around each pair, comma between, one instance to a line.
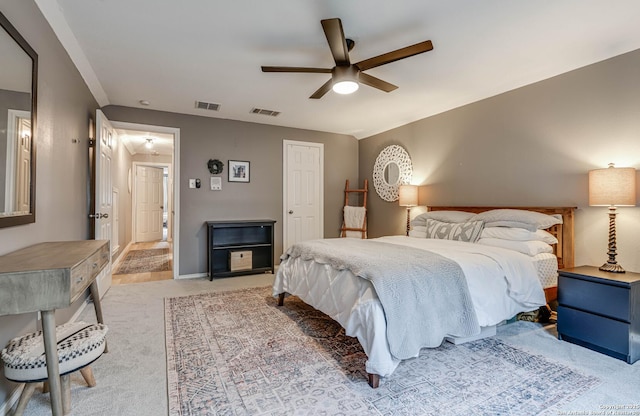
(80,279)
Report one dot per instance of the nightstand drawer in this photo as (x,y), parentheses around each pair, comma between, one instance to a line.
(599,298)
(608,334)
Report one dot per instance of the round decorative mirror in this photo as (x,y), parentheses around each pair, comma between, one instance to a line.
(392,169)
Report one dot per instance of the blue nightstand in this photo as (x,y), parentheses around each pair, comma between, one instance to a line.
(600,311)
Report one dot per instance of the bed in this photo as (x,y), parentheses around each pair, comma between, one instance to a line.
(465,288)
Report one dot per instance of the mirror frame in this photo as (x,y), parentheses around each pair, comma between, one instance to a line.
(29,218)
(397,155)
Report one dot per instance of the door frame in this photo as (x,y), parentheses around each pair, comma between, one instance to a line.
(285,186)
(134,197)
(11,160)
(175,188)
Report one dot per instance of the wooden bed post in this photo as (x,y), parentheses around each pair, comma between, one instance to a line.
(281,299)
(374,380)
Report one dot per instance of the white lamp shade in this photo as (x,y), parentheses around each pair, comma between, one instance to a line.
(612,186)
(408,195)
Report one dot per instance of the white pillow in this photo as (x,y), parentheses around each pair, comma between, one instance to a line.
(518,218)
(530,248)
(443,216)
(418,233)
(518,234)
(462,231)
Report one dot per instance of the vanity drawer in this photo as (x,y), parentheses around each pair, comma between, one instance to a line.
(600,298)
(602,333)
(85,272)
(97,260)
(80,279)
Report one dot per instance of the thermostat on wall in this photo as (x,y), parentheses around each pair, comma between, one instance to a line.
(216,183)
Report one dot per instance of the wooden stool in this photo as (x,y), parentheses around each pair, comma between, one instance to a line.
(79,344)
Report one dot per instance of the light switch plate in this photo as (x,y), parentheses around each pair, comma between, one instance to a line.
(192,183)
(216,183)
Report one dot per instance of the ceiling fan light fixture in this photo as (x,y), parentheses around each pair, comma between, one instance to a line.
(345,87)
(345,79)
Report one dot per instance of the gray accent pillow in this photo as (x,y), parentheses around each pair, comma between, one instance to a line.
(442,216)
(518,218)
(461,231)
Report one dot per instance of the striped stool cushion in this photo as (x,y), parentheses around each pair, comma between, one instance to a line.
(79,344)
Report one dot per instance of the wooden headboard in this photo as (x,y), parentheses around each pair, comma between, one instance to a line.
(564,250)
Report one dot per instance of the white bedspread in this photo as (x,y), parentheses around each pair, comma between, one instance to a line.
(501,282)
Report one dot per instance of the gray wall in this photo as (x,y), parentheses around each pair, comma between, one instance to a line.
(204,138)
(529,147)
(64,107)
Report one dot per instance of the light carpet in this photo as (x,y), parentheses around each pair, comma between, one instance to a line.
(146,260)
(237,353)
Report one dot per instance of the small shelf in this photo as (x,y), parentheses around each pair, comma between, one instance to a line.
(253,238)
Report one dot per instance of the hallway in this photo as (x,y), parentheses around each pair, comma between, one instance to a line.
(120,279)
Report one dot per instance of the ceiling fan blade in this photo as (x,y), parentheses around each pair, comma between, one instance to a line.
(337,42)
(322,90)
(374,82)
(295,69)
(396,55)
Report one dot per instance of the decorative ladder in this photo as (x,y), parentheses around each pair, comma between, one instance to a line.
(363,191)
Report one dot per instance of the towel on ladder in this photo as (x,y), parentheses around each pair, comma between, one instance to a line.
(354,218)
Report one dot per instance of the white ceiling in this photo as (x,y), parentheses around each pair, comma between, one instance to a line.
(173,53)
(136,141)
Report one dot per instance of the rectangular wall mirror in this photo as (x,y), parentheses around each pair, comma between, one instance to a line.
(18,91)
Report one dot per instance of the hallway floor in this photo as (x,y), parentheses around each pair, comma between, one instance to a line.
(120,279)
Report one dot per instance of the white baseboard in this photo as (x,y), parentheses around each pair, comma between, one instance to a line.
(191,276)
(116,262)
(7,406)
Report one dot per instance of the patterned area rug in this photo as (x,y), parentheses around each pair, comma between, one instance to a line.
(142,261)
(237,353)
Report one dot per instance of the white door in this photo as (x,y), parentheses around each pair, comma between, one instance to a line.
(303,190)
(105,136)
(149,203)
(23,173)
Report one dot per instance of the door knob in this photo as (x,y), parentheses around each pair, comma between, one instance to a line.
(290,211)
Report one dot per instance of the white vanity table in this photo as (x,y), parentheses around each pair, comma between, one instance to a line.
(49,276)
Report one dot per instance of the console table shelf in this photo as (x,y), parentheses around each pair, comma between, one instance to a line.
(250,238)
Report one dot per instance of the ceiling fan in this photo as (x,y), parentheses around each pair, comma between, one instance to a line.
(345,76)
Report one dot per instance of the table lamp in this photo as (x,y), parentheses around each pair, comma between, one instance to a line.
(408,197)
(612,187)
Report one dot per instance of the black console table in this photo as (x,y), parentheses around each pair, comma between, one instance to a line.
(239,247)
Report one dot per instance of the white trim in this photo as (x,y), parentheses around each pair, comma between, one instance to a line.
(10,178)
(174,175)
(52,11)
(285,178)
(7,406)
(115,232)
(191,276)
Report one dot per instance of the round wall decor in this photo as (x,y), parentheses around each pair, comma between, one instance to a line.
(392,169)
(215,166)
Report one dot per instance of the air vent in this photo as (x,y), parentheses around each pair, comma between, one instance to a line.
(265,112)
(202,105)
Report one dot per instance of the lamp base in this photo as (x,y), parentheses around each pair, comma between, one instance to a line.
(612,268)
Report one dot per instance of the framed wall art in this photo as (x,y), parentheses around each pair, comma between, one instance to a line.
(238,171)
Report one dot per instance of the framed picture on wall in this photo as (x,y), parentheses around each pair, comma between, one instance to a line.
(238,171)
